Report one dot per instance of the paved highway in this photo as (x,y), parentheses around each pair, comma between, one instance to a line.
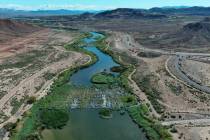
(174,67)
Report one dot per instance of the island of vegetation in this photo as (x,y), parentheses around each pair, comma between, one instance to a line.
(105,113)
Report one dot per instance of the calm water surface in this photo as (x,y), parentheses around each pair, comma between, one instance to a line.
(105,62)
(86,124)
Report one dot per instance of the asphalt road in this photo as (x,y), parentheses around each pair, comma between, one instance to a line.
(174,67)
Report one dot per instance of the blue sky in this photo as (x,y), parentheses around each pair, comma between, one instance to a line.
(97,4)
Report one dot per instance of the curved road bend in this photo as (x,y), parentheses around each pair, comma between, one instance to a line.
(173,65)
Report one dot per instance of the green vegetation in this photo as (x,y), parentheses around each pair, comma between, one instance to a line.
(59,96)
(16,105)
(177,89)
(53,118)
(78,42)
(10,126)
(152,94)
(173,129)
(103,78)
(52,111)
(105,113)
(127,68)
(78,47)
(49,75)
(31,100)
(129,100)
(118,69)
(154,130)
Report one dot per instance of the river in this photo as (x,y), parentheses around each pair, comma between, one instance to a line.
(86,124)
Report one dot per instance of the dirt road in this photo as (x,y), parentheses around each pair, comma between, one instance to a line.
(141,95)
(204,122)
(29,81)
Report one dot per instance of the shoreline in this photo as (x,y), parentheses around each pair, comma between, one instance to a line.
(68,71)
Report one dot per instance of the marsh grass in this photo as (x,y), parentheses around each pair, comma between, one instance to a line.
(152,128)
(103,78)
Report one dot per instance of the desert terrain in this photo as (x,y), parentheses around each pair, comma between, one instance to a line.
(29,63)
(169,55)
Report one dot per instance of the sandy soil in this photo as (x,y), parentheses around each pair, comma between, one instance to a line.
(192,133)
(180,101)
(186,100)
(23,44)
(197,70)
(29,80)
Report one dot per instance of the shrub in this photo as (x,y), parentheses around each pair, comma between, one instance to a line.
(105,113)
(103,78)
(53,118)
(31,100)
(119,69)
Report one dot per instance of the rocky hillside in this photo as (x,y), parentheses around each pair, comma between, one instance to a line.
(127,13)
(10,29)
(193,35)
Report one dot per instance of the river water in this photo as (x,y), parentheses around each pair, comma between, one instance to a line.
(104,63)
(86,124)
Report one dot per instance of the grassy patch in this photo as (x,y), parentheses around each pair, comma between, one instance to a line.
(79,48)
(154,131)
(103,78)
(105,113)
(177,89)
(58,96)
(53,118)
(31,100)
(118,69)
(152,94)
(16,105)
(129,100)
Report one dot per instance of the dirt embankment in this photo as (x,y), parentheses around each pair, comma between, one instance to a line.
(176,97)
(179,102)
(16,37)
(29,73)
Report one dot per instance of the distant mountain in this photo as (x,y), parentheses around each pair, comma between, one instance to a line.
(192,35)
(127,13)
(8,13)
(155,12)
(175,7)
(204,11)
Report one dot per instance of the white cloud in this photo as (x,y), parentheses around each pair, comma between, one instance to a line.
(55,7)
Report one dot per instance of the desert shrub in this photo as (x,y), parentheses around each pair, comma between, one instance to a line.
(10,126)
(152,128)
(49,75)
(149,54)
(152,94)
(129,100)
(32,137)
(31,100)
(118,69)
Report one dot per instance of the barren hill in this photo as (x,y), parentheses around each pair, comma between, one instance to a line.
(127,13)
(193,36)
(11,29)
